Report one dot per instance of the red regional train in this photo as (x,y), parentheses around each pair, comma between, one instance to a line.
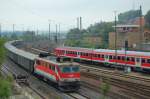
(133,59)
(66,75)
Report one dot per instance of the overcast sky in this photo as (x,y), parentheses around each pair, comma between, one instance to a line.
(33,14)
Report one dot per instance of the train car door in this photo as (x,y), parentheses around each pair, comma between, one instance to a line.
(138,62)
(106,58)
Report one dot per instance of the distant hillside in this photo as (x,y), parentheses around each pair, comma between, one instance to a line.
(125,17)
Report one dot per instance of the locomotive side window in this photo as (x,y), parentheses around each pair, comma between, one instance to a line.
(47,65)
(53,68)
(50,66)
(37,62)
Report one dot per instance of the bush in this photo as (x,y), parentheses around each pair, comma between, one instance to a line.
(2,50)
(5,88)
(105,87)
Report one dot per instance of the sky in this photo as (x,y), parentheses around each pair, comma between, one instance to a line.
(37,14)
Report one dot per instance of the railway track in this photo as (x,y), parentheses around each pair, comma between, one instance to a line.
(118,75)
(127,87)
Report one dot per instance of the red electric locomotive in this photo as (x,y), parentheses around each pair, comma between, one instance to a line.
(66,75)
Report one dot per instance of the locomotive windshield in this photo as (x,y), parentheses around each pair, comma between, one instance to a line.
(70,69)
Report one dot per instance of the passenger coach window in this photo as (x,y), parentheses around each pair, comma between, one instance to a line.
(132,59)
(123,58)
(148,61)
(143,60)
(110,57)
(128,59)
(118,57)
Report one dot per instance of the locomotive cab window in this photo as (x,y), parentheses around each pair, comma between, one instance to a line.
(69,69)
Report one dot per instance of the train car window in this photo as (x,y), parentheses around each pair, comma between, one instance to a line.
(119,58)
(99,55)
(106,56)
(86,54)
(114,57)
(138,59)
(75,53)
(148,60)
(132,59)
(102,56)
(143,60)
(123,58)
(128,59)
(110,57)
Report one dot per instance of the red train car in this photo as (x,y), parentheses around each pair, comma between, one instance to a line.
(65,75)
(130,58)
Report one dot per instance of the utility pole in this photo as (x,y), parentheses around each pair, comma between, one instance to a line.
(49,30)
(115,37)
(80,23)
(13,28)
(77,22)
(141,29)
(37,33)
(56,39)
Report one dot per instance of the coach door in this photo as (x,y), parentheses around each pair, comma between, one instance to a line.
(138,62)
(106,58)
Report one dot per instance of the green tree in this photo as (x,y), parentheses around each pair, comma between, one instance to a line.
(5,88)
(2,50)
(5,84)
(126,16)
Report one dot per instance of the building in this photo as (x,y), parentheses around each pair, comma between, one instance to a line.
(130,33)
(124,33)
